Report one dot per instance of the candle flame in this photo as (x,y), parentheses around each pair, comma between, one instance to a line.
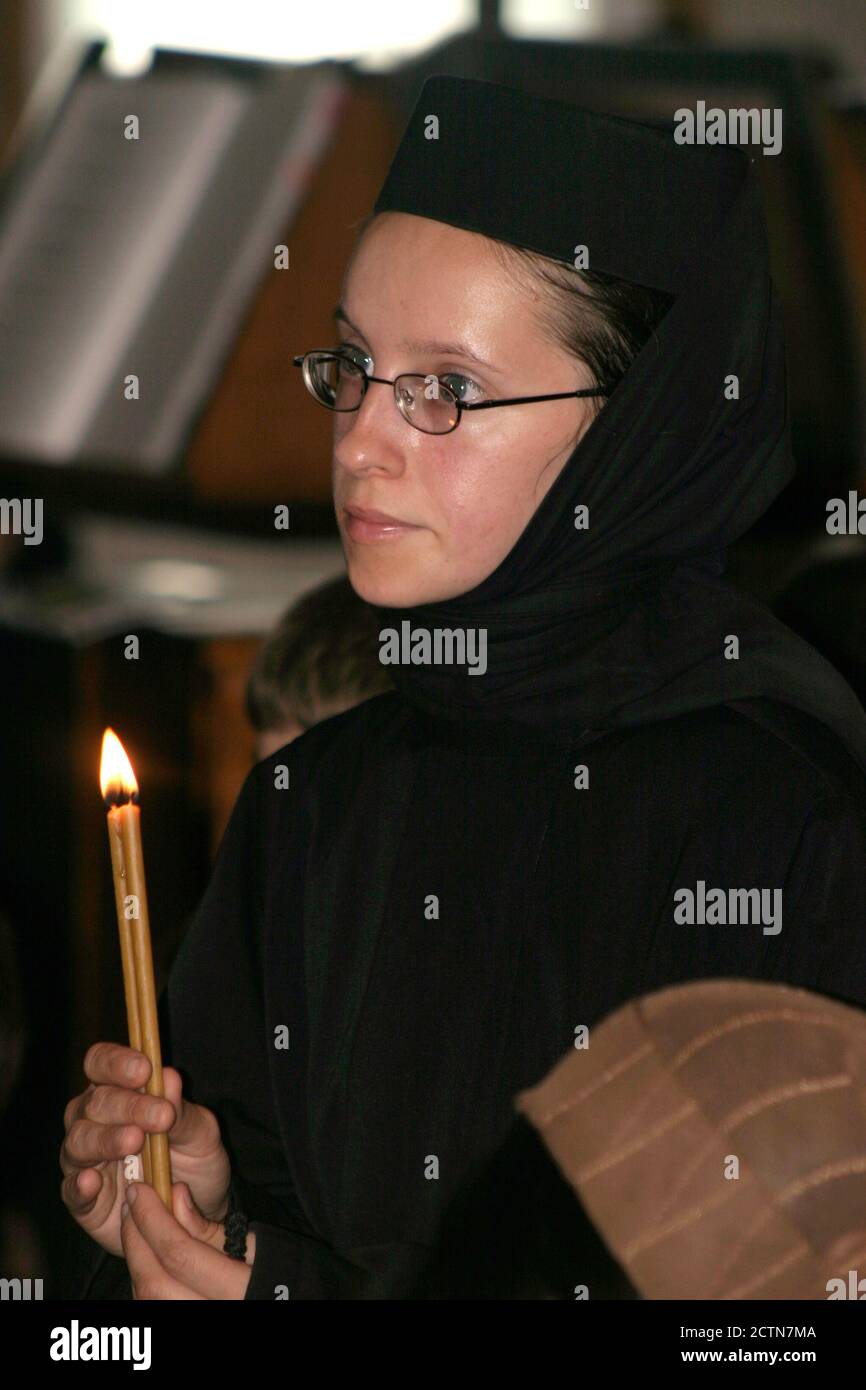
(116,778)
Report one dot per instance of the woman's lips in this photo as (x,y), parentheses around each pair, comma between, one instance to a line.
(375,526)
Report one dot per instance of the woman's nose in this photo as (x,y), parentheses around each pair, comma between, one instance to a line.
(374,435)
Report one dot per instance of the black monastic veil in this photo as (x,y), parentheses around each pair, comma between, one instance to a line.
(465,871)
(625,621)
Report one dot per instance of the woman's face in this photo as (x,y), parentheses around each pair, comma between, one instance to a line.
(465,497)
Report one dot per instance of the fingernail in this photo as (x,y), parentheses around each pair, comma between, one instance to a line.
(132,1192)
(132,1066)
(188,1199)
(124,1210)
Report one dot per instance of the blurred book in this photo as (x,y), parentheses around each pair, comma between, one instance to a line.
(140,256)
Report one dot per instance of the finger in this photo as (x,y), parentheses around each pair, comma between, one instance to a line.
(112,1105)
(196,1129)
(80,1189)
(89,1143)
(115,1105)
(173,1088)
(75,1107)
(183,1260)
(113,1064)
(149,1277)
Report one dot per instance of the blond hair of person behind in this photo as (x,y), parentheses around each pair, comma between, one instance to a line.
(322,658)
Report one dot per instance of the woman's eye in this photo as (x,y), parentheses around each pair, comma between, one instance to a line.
(462,386)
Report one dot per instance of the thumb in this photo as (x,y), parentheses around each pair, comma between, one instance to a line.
(187,1213)
(172,1085)
(196,1129)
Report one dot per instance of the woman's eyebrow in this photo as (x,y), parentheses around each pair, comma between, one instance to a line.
(338,312)
(427,345)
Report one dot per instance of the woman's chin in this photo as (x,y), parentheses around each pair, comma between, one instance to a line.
(386,593)
(385,586)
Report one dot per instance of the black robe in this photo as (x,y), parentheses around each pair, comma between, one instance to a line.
(432,910)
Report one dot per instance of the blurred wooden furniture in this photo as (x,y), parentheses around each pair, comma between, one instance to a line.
(222,430)
(258,441)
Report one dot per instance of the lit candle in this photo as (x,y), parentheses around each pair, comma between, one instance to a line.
(120,792)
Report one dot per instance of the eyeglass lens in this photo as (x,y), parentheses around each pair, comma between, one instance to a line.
(338,384)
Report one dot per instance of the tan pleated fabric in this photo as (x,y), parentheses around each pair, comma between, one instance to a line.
(681,1090)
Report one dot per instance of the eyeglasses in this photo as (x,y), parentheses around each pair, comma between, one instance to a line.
(338,380)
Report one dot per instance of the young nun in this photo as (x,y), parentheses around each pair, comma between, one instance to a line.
(603,769)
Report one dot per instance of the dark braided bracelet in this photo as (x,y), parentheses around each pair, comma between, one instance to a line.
(236,1225)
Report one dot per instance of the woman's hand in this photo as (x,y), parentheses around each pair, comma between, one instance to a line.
(178,1256)
(110,1119)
